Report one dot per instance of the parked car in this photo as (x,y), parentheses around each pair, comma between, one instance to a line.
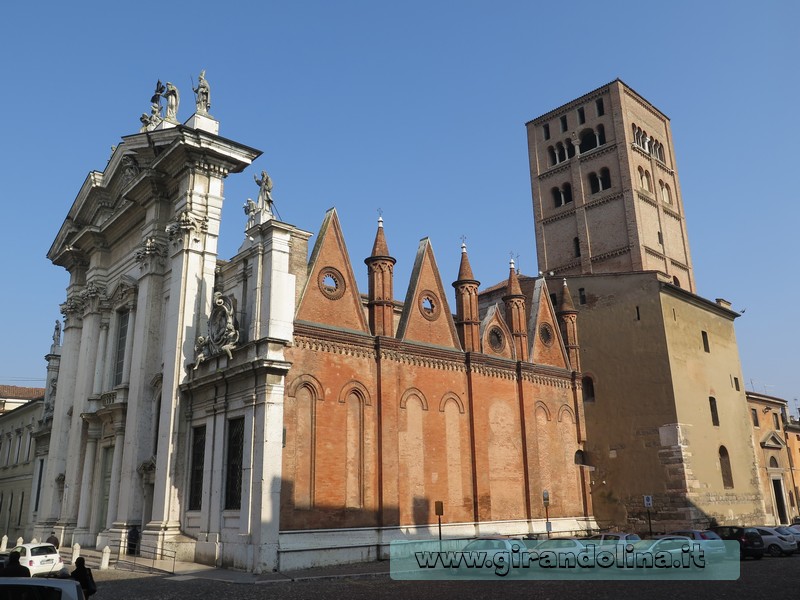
(612,538)
(710,541)
(491,547)
(26,587)
(41,559)
(672,544)
(776,543)
(790,534)
(750,541)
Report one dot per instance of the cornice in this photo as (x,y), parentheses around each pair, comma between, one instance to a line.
(598,151)
(612,253)
(646,199)
(672,213)
(555,170)
(636,98)
(603,200)
(561,215)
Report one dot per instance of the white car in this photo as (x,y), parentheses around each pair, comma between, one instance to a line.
(775,543)
(41,559)
(25,587)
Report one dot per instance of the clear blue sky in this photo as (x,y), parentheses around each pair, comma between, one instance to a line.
(416,108)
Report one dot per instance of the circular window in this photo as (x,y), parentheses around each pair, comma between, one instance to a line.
(331,283)
(429,305)
(496,339)
(546,334)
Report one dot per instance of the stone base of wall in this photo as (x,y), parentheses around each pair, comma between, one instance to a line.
(322,547)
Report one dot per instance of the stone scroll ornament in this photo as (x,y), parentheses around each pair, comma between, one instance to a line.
(223,331)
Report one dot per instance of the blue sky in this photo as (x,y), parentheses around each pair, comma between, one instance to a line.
(418,109)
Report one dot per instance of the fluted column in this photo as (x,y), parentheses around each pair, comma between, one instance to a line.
(89,461)
(116,469)
(100,363)
(126,365)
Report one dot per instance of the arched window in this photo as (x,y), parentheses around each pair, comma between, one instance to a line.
(661,153)
(605,179)
(577,246)
(773,463)
(648,183)
(601,135)
(587,384)
(725,468)
(712,404)
(580,458)
(675,281)
(557,201)
(566,193)
(588,140)
(570,149)
(641,178)
(551,155)
(562,154)
(594,183)
(667,195)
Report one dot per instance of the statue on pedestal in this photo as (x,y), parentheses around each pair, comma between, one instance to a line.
(202,94)
(173,100)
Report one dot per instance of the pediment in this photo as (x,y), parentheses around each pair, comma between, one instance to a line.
(426,315)
(496,338)
(331,296)
(544,334)
(772,440)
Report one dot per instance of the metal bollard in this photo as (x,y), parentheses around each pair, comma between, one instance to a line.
(104,560)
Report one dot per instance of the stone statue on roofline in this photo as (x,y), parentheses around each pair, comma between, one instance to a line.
(202,94)
(173,100)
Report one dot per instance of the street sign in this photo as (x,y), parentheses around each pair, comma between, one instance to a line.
(648,502)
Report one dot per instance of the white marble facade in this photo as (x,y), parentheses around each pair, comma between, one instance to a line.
(140,245)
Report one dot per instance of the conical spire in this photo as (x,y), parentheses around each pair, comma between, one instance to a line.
(379,248)
(513,288)
(465,270)
(566,299)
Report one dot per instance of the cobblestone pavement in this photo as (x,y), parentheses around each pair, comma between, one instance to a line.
(770,577)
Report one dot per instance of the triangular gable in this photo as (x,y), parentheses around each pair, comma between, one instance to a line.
(497,343)
(426,316)
(772,440)
(331,296)
(546,344)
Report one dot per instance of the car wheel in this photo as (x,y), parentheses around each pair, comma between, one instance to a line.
(774,550)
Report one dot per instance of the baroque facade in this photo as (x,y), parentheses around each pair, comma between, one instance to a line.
(261,413)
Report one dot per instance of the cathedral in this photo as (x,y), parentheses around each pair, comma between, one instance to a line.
(260,412)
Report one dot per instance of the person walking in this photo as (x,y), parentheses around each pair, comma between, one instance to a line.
(83,576)
(53,539)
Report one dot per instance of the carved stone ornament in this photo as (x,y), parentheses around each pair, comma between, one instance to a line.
(150,249)
(184,224)
(130,169)
(223,331)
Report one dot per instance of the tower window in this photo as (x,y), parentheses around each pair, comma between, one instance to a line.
(581,116)
(605,179)
(754,416)
(725,468)
(554,299)
(706,347)
(712,404)
(551,154)
(581,295)
(587,385)
(564,123)
(577,246)
(546,131)
(638,314)
(599,106)
(776,423)
(660,238)
(736,383)
(233,472)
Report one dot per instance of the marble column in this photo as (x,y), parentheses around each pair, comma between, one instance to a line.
(89,461)
(116,468)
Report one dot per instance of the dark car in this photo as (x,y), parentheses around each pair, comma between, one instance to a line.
(750,541)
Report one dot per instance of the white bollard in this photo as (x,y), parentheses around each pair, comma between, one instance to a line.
(20,541)
(34,541)
(76,552)
(104,560)
(4,544)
